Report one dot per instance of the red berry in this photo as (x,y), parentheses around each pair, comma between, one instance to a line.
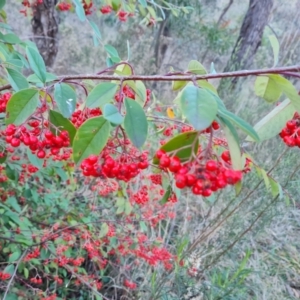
(175,164)
(180,181)
(206,192)
(211,165)
(291,124)
(190,179)
(41,154)
(159,153)
(226,156)
(164,161)
(15,142)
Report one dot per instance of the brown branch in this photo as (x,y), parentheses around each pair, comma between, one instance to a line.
(170,77)
(14,274)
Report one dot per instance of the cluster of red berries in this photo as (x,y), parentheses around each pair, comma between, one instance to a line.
(123,15)
(291,132)
(129,284)
(214,125)
(156,179)
(36,280)
(122,169)
(34,254)
(87,6)
(34,139)
(4,276)
(106,9)
(63,6)
(202,179)
(27,5)
(129,93)
(79,116)
(3,101)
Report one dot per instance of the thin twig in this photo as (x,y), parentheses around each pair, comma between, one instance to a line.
(14,274)
(243,73)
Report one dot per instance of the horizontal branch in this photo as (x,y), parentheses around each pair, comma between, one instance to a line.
(171,77)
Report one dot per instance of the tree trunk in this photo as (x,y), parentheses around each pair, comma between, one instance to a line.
(45,30)
(248,41)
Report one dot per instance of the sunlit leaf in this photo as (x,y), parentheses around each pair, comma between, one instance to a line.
(21,106)
(91,138)
(198,106)
(135,123)
(271,125)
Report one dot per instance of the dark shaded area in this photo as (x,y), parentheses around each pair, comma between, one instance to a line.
(45,30)
(248,42)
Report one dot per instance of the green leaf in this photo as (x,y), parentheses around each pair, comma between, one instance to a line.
(182,140)
(196,68)
(17,80)
(61,122)
(166,196)
(14,256)
(238,188)
(275,187)
(11,173)
(91,138)
(140,91)
(288,89)
(178,85)
(2,3)
(199,107)
(36,63)
(95,29)
(65,98)
(275,47)
(143,3)
(34,160)
(11,38)
(34,79)
(267,88)
(101,94)
(13,203)
(243,125)
(9,269)
(208,86)
(234,147)
(271,125)
(135,123)
(79,10)
(21,106)
(104,230)
(111,114)
(112,51)
(26,273)
(3,158)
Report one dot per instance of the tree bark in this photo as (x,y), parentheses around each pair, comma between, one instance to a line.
(249,40)
(45,30)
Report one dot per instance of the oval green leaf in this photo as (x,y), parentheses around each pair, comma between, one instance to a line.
(182,140)
(61,122)
(234,147)
(243,125)
(266,88)
(111,114)
(36,63)
(199,106)
(21,106)
(16,79)
(101,94)
(288,89)
(65,98)
(91,138)
(135,123)
(271,125)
